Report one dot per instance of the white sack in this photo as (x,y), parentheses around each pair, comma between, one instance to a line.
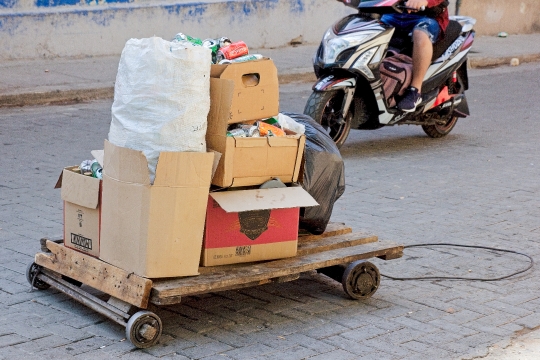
(161,98)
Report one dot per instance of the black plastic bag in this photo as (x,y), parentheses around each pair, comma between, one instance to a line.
(323,177)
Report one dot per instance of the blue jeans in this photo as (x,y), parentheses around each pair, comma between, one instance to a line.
(411,22)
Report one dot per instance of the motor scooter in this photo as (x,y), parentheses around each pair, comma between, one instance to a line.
(349,91)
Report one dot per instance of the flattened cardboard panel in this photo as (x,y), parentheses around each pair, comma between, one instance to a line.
(241,254)
(258,199)
(125,164)
(185,169)
(80,189)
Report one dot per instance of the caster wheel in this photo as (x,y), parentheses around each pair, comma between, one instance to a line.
(144,329)
(361,279)
(31,272)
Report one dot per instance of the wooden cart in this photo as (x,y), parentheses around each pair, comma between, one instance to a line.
(338,253)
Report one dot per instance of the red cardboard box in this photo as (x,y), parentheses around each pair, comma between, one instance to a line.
(252,225)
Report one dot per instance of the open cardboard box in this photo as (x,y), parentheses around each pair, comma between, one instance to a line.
(254,88)
(154,230)
(252,225)
(249,161)
(82,210)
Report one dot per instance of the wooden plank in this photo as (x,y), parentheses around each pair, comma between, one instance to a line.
(171,300)
(334,242)
(273,269)
(332,229)
(93,272)
(322,243)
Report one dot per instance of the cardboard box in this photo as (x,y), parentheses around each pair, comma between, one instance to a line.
(252,90)
(252,225)
(154,230)
(82,210)
(249,161)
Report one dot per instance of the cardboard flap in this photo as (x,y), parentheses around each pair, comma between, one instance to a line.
(125,164)
(251,142)
(259,199)
(284,141)
(98,155)
(184,169)
(221,95)
(80,189)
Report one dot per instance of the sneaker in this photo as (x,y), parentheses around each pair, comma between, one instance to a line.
(411,99)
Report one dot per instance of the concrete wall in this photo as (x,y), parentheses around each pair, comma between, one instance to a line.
(62,28)
(58,28)
(511,16)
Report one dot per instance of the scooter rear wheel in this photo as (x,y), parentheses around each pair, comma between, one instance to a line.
(325,108)
(438,131)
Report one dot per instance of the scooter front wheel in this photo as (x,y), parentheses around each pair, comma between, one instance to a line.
(325,108)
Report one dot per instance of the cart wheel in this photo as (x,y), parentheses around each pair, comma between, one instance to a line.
(361,279)
(144,329)
(31,275)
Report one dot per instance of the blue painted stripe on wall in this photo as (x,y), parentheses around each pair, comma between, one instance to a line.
(7,3)
(52,3)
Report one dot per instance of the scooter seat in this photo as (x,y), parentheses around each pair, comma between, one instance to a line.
(401,42)
(453,30)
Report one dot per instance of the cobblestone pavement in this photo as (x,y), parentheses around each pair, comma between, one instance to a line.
(479,186)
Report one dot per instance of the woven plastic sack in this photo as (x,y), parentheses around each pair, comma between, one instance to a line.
(161,98)
(323,176)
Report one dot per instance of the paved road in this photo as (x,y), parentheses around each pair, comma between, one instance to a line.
(477,186)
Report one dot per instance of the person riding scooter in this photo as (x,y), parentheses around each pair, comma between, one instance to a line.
(425,27)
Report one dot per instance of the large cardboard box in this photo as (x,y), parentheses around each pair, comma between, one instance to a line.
(254,88)
(252,225)
(249,161)
(154,230)
(82,210)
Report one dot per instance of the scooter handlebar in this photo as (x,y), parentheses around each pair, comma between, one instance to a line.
(371,6)
(422,8)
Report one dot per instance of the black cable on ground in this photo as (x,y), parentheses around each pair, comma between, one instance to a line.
(464,278)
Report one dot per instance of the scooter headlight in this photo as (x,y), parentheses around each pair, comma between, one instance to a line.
(335,45)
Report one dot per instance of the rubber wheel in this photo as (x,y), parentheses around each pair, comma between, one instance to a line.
(438,131)
(31,272)
(325,108)
(361,280)
(144,329)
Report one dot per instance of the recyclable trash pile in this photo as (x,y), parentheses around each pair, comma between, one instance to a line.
(223,50)
(200,168)
(280,125)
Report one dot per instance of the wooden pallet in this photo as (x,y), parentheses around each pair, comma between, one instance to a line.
(338,245)
(334,254)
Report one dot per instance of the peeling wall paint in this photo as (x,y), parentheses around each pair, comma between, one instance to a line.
(54,28)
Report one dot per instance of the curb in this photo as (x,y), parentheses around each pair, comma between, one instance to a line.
(483,62)
(57,97)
